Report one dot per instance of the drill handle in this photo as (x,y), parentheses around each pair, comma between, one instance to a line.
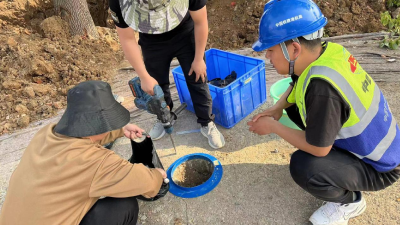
(158,92)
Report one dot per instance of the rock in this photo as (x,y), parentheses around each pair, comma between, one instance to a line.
(355,8)
(32,104)
(112,43)
(347,17)
(275,151)
(21,109)
(29,92)
(23,121)
(41,68)
(55,27)
(63,91)
(251,27)
(9,98)
(396,13)
(57,105)
(101,31)
(11,42)
(7,126)
(143,217)
(178,221)
(11,85)
(41,89)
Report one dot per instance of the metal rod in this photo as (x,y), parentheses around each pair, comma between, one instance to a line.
(180,108)
(173,143)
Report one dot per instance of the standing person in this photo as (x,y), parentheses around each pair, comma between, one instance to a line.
(65,169)
(349,140)
(168,29)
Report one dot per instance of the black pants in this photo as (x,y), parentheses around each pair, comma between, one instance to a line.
(157,59)
(336,176)
(113,211)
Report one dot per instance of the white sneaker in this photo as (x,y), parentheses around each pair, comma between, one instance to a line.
(331,213)
(215,138)
(158,131)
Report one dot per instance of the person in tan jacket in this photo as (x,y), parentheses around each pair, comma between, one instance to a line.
(65,169)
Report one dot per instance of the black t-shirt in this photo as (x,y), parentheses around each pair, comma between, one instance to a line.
(185,27)
(326,111)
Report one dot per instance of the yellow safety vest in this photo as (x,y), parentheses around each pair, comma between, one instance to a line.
(371,132)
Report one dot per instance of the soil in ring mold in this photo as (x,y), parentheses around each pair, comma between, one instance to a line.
(193,173)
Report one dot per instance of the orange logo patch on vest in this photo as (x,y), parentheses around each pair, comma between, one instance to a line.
(353,63)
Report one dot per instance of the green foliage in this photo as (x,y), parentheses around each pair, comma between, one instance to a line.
(393,25)
(392,3)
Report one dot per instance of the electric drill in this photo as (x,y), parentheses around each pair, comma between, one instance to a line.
(155,104)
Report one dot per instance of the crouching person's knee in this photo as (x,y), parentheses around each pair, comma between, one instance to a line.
(310,173)
(109,210)
(299,167)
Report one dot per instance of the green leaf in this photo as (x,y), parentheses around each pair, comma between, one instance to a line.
(393,45)
(386,41)
(391,24)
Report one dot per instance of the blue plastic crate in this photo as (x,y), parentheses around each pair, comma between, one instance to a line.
(237,100)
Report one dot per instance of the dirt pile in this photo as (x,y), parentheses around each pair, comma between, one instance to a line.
(234,23)
(40,62)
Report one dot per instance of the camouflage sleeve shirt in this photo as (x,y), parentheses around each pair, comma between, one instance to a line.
(187,22)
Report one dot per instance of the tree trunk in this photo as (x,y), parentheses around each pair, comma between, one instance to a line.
(76,13)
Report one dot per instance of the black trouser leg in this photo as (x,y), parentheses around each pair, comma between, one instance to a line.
(336,176)
(157,60)
(199,90)
(113,211)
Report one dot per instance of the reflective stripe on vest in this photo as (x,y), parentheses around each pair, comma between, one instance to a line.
(379,150)
(344,85)
(365,116)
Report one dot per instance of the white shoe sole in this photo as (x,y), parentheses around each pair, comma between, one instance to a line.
(212,146)
(360,211)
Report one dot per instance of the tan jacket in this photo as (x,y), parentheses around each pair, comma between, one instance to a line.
(60,178)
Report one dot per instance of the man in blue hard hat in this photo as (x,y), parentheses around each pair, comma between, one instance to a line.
(350,141)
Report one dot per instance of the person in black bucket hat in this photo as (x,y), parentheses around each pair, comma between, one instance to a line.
(65,169)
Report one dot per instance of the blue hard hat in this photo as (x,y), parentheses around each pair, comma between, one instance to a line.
(284,20)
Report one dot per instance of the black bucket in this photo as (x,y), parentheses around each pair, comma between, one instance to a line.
(144,152)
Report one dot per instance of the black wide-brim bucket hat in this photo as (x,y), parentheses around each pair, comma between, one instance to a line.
(91,110)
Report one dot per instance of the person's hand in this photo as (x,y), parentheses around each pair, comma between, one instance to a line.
(163,173)
(148,84)
(132,131)
(199,67)
(273,112)
(262,126)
